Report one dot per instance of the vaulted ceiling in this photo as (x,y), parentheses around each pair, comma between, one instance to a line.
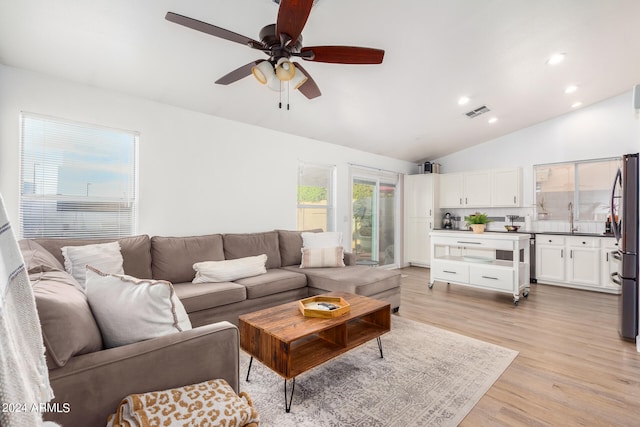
(492,51)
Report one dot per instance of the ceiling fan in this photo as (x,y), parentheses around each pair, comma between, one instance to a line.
(282,41)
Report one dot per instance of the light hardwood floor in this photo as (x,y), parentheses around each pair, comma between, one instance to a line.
(572,368)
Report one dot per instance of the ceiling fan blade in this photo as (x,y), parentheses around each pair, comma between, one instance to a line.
(212,29)
(238,73)
(309,88)
(343,54)
(292,16)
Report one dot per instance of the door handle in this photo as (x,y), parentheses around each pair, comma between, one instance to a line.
(489,277)
(561,253)
(514,199)
(450,272)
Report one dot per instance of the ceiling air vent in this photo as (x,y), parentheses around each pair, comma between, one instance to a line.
(478,111)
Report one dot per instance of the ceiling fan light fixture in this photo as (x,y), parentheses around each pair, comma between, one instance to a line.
(263,72)
(275,85)
(298,79)
(285,70)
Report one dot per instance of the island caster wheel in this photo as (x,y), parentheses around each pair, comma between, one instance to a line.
(430,285)
(525,294)
(515,302)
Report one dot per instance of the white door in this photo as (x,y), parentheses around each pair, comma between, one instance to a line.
(583,266)
(507,187)
(477,189)
(450,190)
(418,241)
(550,264)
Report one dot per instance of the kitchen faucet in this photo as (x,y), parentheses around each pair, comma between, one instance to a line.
(572,228)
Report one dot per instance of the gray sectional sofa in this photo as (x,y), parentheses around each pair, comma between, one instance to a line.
(92,379)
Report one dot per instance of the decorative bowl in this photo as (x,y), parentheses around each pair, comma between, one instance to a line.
(512,227)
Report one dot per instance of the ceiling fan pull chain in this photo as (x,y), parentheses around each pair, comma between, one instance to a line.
(288,92)
(280,94)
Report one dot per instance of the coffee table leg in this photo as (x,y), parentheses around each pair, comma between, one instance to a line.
(249,369)
(379,346)
(287,402)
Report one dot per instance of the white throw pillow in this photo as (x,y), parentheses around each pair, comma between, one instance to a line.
(229,270)
(129,310)
(328,239)
(103,256)
(322,257)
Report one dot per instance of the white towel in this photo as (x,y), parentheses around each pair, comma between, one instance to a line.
(24,378)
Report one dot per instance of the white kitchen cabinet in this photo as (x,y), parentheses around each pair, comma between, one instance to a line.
(480,270)
(420,204)
(550,262)
(451,190)
(481,189)
(476,189)
(506,190)
(582,262)
(417,240)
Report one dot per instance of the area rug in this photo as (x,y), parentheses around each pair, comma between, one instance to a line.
(428,377)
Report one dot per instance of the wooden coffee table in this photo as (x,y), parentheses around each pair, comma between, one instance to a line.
(290,343)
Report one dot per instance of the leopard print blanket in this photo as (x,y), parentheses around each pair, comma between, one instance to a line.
(207,404)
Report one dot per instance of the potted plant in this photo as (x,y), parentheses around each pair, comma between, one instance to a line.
(477,221)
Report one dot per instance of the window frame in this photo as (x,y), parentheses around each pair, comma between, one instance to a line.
(63,147)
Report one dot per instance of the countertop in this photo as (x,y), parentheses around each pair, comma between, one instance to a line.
(521,231)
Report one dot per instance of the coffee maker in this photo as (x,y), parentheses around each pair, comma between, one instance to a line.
(447,222)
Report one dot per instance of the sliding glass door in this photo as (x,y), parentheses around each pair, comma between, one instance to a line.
(373,220)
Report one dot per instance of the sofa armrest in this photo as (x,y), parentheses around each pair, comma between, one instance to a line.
(92,385)
(349,258)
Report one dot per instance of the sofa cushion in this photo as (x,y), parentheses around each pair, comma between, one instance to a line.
(273,282)
(103,256)
(290,243)
(173,257)
(68,325)
(357,279)
(37,259)
(251,244)
(202,296)
(229,270)
(322,257)
(130,310)
(135,250)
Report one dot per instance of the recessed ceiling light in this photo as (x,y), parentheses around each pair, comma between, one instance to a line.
(492,120)
(556,58)
(576,104)
(463,100)
(571,89)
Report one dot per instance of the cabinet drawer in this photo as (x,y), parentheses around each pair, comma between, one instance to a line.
(493,278)
(454,271)
(545,239)
(583,242)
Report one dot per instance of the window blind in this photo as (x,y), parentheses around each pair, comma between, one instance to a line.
(77,180)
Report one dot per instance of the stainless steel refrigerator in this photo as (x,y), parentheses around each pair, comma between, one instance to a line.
(624,204)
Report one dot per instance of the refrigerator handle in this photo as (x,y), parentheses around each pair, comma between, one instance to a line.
(614,224)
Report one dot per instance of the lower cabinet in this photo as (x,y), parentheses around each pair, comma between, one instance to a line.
(418,246)
(575,261)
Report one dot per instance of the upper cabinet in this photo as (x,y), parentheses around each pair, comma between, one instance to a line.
(479,189)
(506,187)
(450,190)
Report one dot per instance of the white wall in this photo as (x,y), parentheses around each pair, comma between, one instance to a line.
(198,173)
(605,129)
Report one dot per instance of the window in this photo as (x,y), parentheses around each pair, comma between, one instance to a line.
(316,197)
(581,187)
(76,180)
